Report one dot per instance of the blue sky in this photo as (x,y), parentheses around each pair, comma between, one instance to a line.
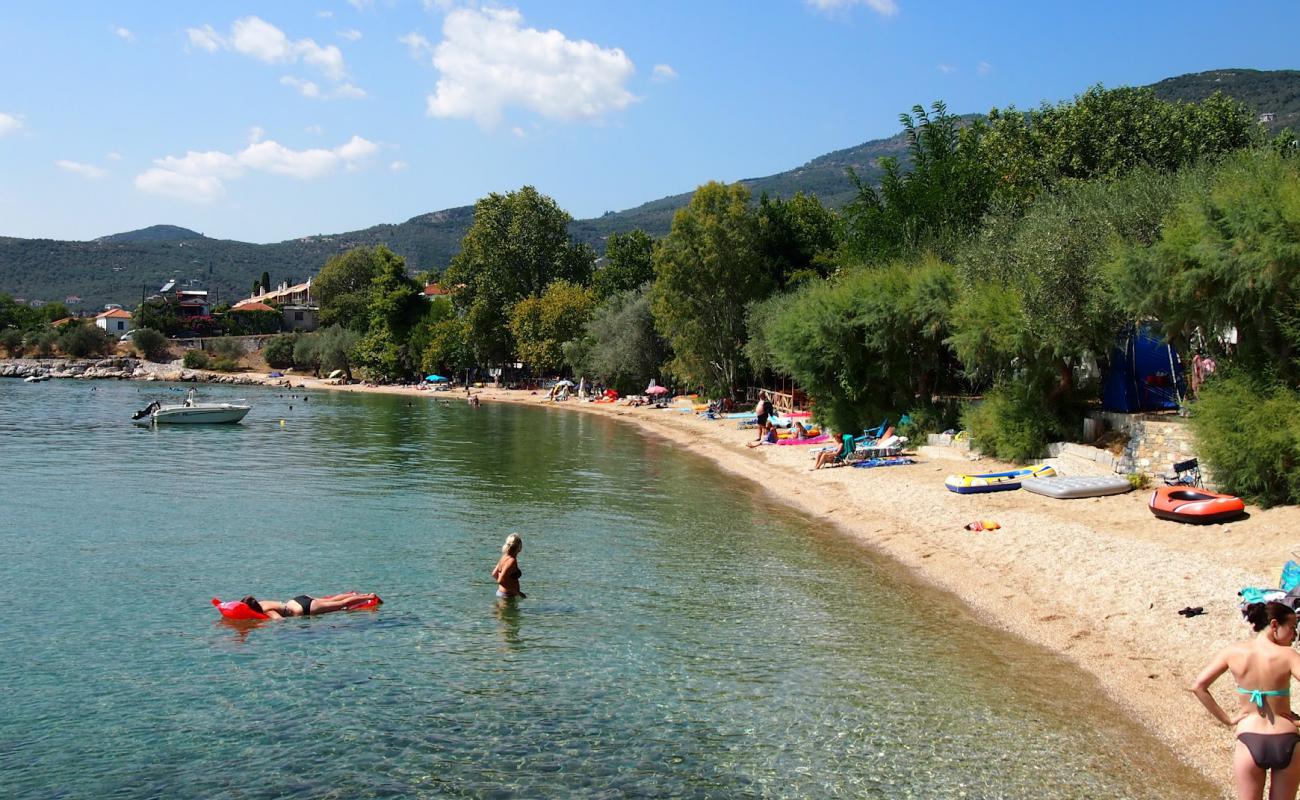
(272,120)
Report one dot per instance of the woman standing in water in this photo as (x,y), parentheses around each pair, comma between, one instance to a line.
(1266,728)
(507,572)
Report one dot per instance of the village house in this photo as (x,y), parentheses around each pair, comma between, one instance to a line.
(116,321)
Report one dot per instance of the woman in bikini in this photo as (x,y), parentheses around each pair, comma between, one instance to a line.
(1266,728)
(307,606)
(507,572)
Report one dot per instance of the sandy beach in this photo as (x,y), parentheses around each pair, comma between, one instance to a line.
(1099,581)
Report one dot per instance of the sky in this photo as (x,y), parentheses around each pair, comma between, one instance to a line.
(267,121)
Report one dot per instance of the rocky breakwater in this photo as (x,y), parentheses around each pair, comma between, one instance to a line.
(118,368)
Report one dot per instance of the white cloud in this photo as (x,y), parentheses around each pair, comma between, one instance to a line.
(259,39)
(518,131)
(124,33)
(304,87)
(325,14)
(439,5)
(663,72)
(398,166)
(360,5)
(352,34)
(946,69)
(9,123)
(885,8)
(311,90)
(488,61)
(200,176)
(419,47)
(114,156)
(205,38)
(315,130)
(84,170)
(984,68)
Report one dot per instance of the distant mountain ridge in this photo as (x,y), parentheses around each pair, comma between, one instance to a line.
(114,268)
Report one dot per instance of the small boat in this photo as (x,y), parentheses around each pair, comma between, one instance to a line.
(1070,488)
(995,481)
(1197,506)
(36,378)
(192,412)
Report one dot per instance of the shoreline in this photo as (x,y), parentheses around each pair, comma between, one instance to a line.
(1097,581)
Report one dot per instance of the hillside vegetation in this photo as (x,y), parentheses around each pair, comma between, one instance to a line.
(116,268)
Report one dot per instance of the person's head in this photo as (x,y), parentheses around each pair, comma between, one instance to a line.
(514,543)
(252,603)
(1278,619)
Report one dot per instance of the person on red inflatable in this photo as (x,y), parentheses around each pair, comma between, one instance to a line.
(307,606)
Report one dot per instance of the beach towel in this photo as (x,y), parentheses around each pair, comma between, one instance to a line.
(882,462)
(1290,576)
(813,440)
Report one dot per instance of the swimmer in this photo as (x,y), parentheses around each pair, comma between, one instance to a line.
(1262,668)
(507,572)
(307,606)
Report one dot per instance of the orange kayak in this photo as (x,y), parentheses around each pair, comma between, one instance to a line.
(1189,504)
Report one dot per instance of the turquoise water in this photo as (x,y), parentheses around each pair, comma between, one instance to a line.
(683,636)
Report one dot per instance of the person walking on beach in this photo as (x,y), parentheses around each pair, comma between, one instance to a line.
(1266,727)
(507,572)
(762,411)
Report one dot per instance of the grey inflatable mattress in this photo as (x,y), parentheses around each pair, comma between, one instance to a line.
(1067,488)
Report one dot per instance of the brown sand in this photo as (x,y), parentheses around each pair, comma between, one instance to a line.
(1098,580)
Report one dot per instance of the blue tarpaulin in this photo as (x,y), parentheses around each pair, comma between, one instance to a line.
(1145,373)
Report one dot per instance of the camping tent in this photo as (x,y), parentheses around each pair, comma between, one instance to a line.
(1145,373)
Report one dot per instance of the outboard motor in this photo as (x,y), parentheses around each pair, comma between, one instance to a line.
(146,411)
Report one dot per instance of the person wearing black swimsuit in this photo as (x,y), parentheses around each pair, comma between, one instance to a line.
(1266,727)
(507,572)
(307,606)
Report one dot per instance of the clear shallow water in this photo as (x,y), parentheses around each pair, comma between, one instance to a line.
(681,638)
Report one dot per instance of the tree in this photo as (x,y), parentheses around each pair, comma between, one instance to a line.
(344,283)
(80,340)
(327,349)
(266,281)
(621,344)
(278,352)
(395,303)
(151,344)
(161,314)
(1228,257)
(542,325)
(707,270)
(11,339)
(1106,133)
(933,205)
(448,350)
(798,238)
(518,245)
(629,264)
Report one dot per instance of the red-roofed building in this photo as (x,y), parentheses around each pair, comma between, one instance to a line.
(117,321)
(254,305)
(432,290)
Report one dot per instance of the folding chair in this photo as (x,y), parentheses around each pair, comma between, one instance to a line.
(1186,473)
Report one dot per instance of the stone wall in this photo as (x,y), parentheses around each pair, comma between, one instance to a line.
(1154,443)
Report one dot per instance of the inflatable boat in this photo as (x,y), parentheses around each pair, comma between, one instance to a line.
(995,481)
(1070,488)
(1198,506)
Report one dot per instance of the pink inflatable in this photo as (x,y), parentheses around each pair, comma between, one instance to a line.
(234,609)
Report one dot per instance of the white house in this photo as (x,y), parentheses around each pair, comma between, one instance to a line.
(116,321)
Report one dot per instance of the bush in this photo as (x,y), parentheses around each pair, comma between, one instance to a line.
(151,344)
(278,352)
(225,347)
(81,340)
(12,341)
(225,364)
(1012,424)
(195,359)
(1138,480)
(41,343)
(1248,434)
(927,419)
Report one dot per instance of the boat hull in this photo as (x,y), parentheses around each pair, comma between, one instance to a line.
(995,481)
(200,415)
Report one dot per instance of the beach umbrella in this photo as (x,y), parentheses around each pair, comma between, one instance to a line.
(565,382)
(435,379)
(336,373)
(657,390)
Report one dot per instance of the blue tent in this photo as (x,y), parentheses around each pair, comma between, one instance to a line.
(1145,373)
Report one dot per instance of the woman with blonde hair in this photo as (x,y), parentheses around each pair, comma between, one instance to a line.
(507,572)
(1262,667)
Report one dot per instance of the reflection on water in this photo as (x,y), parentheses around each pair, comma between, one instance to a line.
(682,637)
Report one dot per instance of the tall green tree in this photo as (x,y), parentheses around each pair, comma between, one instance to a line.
(798,238)
(707,270)
(344,284)
(542,325)
(266,281)
(931,202)
(629,264)
(519,243)
(395,305)
(620,343)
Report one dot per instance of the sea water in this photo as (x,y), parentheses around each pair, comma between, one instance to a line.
(683,635)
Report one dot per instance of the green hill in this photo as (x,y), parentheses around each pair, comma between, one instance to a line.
(118,268)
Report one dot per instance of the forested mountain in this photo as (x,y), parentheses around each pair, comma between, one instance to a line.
(119,267)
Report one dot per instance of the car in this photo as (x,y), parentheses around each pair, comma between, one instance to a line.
(126,337)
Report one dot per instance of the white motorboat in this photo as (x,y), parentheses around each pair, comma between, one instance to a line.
(36,378)
(192,412)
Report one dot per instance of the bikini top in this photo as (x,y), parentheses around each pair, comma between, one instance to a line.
(1257,695)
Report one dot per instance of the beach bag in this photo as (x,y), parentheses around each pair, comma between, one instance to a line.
(1290,576)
